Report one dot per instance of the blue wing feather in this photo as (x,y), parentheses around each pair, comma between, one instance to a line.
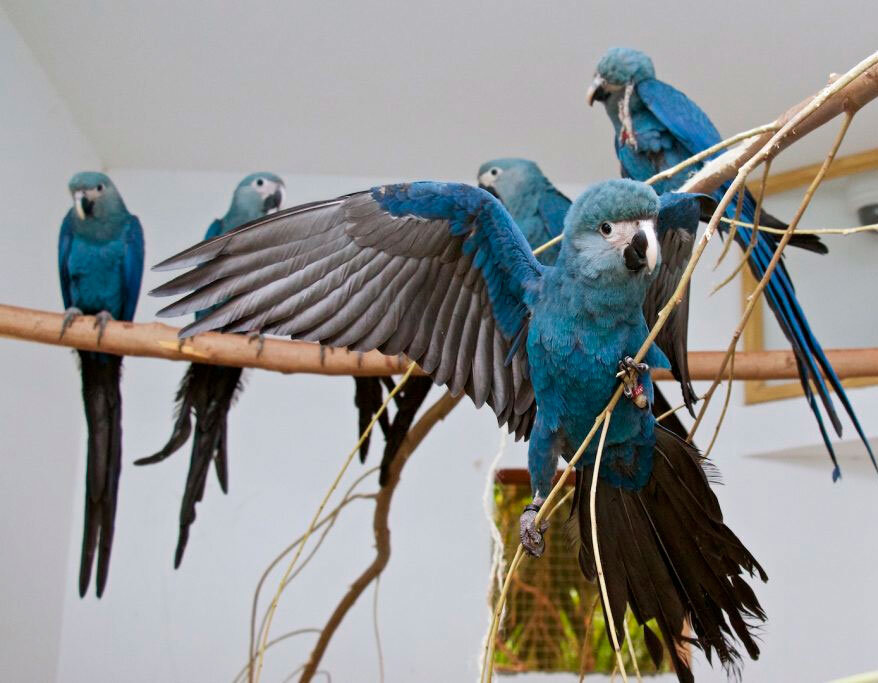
(553,207)
(683,118)
(65,239)
(500,251)
(132,266)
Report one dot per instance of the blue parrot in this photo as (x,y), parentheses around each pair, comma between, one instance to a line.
(208,391)
(441,272)
(539,208)
(657,127)
(100,263)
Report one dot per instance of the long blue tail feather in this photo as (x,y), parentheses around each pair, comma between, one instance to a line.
(810,357)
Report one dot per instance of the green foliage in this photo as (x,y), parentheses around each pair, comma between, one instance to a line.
(554,621)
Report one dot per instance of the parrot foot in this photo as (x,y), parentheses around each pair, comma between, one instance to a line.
(259,338)
(532,537)
(70,315)
(630,372)
(101,320)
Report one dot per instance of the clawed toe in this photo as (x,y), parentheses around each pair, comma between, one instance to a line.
(101,320)
(532,537)
(630,372)
(70,315)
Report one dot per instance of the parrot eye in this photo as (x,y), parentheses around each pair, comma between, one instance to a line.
(606,229)
(260,182)
(100,187)
(495,171)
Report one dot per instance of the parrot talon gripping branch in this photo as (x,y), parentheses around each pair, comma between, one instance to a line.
(559,312)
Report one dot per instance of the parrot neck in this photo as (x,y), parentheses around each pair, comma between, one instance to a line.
(101,228)
(621,107)
(600,298)
(240,213)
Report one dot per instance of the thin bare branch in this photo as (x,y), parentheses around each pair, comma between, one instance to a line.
(274,602)
(380,525)
(713,149)
(754,235)
(809,231)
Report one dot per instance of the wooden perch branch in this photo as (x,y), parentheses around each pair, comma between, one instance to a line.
(381,528)
(155,340)
(859,92)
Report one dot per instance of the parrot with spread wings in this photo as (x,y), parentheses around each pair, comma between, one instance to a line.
(442,273)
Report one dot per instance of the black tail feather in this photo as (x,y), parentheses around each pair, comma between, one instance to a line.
(409,400)
(672,422)
(667,555)
(101,374)
(368,398)
(208,391)
(807,242)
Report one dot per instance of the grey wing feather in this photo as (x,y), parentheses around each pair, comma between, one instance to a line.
(676,248)
(348,273)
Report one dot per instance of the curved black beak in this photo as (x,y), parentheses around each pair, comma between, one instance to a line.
(635,253)
(490,189)
(273,201)
(82,205)
(597,91)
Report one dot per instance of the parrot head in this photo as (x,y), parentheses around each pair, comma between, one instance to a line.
(259,194)
(509,178)
(610,233)
(95,196)
(619,68)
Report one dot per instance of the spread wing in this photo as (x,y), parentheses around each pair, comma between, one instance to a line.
(438,271)
(679,214)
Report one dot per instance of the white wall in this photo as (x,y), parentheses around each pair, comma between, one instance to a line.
(40,148)
(289,436)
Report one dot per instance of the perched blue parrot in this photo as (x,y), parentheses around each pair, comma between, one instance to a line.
(100,262)
(657,127)
(208,391)
(442,273)
(539,208)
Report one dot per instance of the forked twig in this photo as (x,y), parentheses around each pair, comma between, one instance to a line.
(713,149)
(380,525)
(722,415)
(273,607)
(754,235)
(734,231)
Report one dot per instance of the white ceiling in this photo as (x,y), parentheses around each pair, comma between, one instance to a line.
(414,89)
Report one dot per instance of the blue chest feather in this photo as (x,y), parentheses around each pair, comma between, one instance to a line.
(97,275)
(576,338)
